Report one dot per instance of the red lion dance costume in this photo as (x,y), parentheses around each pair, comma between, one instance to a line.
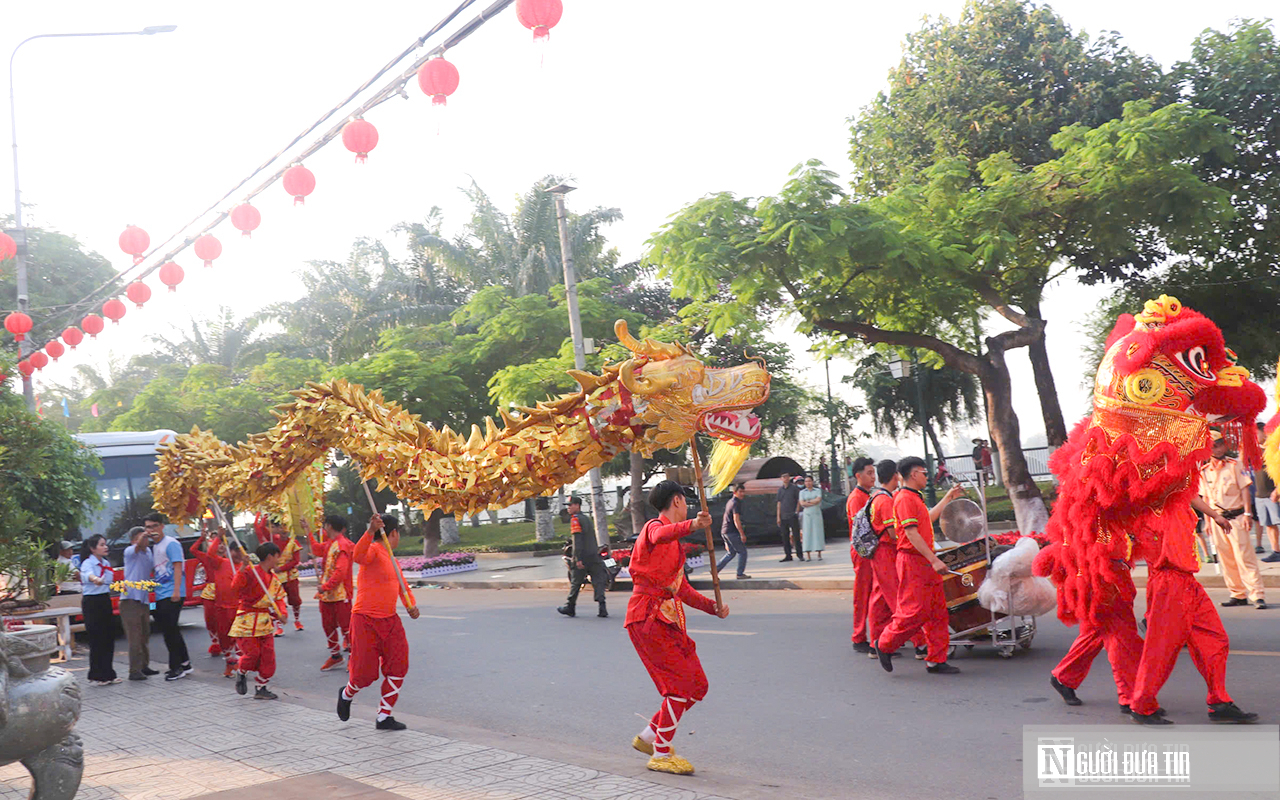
(1129,474)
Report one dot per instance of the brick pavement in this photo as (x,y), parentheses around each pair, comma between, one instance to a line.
(190,738)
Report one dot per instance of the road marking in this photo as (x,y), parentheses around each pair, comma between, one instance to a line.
(1254,653)
(436,616)
(727,633)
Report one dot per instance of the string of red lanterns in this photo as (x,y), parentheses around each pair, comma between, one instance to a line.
(438,78)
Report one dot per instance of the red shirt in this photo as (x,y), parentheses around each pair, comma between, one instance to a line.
(378,584)
(909,509)
(882,516)
(220,572)
(657,567)
(857,499)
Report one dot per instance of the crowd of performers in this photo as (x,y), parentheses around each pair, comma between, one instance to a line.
(246,606)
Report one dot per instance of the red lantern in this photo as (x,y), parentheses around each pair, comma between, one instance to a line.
(138,292)
(72,336)
(299,182)
(208,248)
(439,79)
(245,218)
(26,367)
(359,136)
(55,349)
(171,275)
(92,325)
(39,360)
(8,247)
(113,310)
(18,324)
(539,16)
(135,242)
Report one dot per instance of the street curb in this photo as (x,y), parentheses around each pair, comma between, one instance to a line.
(768,584)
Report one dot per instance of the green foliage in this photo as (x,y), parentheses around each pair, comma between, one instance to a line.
(45,474)
(950,396)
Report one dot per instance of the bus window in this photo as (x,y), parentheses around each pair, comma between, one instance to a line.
(124,485)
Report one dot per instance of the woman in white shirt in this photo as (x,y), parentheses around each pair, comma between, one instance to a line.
(95,581)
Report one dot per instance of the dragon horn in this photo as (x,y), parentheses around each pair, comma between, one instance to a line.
(648,348)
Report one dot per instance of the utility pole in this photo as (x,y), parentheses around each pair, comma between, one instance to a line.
(598,511)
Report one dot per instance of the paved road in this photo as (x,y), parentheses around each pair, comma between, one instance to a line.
(792,710)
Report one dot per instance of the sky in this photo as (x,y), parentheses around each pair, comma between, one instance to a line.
(646,107)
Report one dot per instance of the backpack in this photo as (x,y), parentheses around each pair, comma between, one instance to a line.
(866,538)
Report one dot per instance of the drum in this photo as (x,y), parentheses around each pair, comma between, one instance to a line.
(963,609)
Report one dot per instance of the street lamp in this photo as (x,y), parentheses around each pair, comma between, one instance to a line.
(19,235)
(579,347)
(900,369)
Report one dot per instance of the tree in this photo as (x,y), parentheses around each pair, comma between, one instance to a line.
(223,340)
(950,397)
(913,268)
(1004,78)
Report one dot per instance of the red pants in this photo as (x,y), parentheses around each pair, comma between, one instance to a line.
(258,654)
(922,608)
(671,658)
(293,593)
(1180,613)
(1117,631)
(862,591)
(211,621)
(378,645)
(335,617)
(884,592)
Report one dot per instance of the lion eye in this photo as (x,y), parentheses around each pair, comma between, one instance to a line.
(1196,362)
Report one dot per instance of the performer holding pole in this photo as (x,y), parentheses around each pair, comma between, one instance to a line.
(378,643)
(334,590)
(261,606)
(656,623)
(702,497)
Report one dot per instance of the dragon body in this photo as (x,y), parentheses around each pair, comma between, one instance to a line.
(1129,471)
(657,399)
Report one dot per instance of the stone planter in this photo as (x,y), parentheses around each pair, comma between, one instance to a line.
(42,704)
(448,570)
(44,640)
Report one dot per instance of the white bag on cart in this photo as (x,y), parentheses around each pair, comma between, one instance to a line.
(1010,588)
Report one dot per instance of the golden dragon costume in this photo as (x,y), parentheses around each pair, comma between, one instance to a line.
(659,398)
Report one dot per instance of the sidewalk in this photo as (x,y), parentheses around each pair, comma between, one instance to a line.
(193,738)
(833,572)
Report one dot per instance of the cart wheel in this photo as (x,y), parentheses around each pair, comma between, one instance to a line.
(1026,645)
(969,647)
(1006,652)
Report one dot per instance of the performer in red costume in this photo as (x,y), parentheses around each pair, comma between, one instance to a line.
(884,561)
(922,605)
(220,572)
(290,557)
(1129,479)
(378,641)
(656,623)
(254,628)
(864,473)
(335,574)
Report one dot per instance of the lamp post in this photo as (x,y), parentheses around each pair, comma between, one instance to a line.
(579,346)
(26,346)
(901,369)
(837,482)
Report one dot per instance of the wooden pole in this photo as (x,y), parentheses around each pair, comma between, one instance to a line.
(702,497)
(224,522)
(373,507)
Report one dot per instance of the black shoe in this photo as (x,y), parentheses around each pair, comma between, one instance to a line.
(1068,694)
(603,611)
(788,558)
(389,724)
(150,671)
(263,693)
(1234,601)
(921,652)
(1259,549)
(242,683)
(1149,719)
(942,669)
(1228,712)
(886,661)
(344,705)
(743,577)
(1159,712)
(862,647)
(568,611)
(1260,604)
(137,676)
(179,673)
(1271,559)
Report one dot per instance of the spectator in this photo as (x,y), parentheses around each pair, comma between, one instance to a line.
(166,556)
(815,535)
(1267,506)
(95,585)
(733,533)
(1225,486)
(788,517)
(65,556)
(942,478)
(824,479)
(586,561)
(135,612)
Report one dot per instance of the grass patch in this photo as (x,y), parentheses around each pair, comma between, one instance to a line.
(494,538)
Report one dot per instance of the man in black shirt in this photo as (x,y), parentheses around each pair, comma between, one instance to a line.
(789,517)
(735,539)
(586,560)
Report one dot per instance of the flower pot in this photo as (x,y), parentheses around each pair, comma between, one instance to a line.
(448,570)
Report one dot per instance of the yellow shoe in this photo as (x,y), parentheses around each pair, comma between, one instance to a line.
(646,747)
(672,763)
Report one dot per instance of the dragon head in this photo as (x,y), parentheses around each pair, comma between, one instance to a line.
(1170,363)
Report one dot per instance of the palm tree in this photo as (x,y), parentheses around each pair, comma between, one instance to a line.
(223,340)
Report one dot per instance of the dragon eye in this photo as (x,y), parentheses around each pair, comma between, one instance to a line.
(1197,363)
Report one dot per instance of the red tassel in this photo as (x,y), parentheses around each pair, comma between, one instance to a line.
(208,263)
(362,158)
(439,100)
(299,201)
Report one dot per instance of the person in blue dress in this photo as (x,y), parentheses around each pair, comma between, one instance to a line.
(811,529)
